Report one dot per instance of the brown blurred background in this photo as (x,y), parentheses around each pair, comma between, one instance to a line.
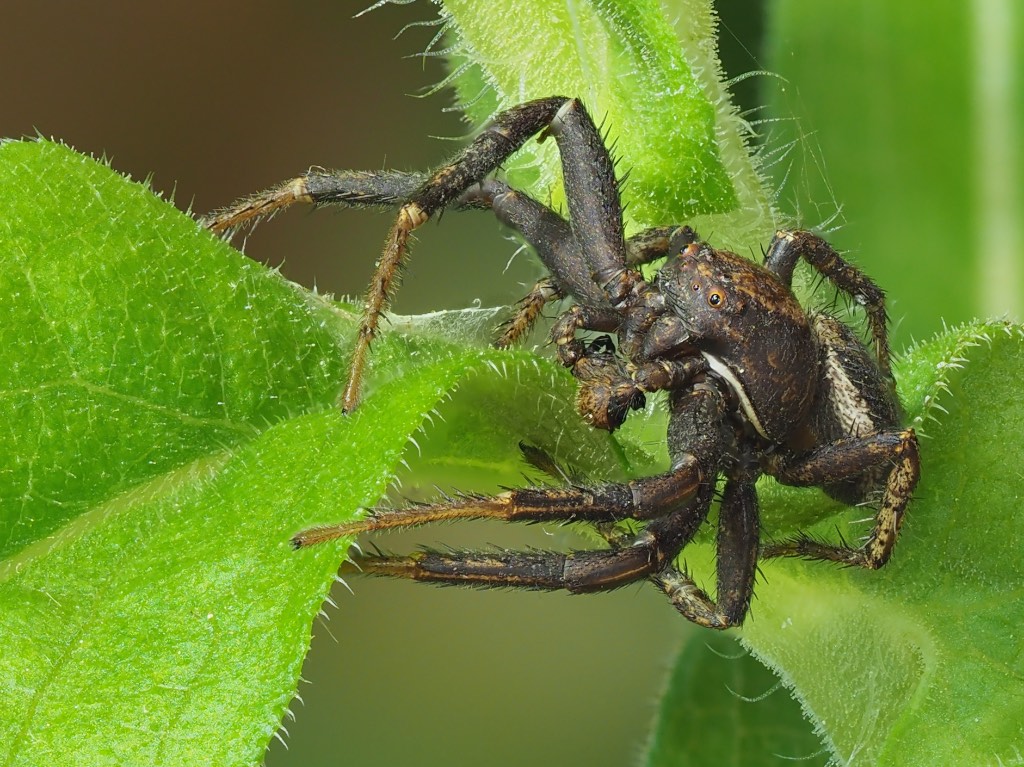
(215,100)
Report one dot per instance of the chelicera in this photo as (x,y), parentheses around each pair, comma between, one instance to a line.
(756,385)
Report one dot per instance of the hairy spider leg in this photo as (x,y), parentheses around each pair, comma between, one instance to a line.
(552,238)
(499,140)
(789,246)
(651,244)
(736,548)
(546,231)
(577,572)
(851,458)
(676,503)
(672,497)
(528,310)
(643,498)
(591,190)
(735,564)
(363,189)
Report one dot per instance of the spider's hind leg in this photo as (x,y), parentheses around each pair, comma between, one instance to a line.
(644,498)
(852,458)
(788,247)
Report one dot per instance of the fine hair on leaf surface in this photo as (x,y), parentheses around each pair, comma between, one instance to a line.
(169,423)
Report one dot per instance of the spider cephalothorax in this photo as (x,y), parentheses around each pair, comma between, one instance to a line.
(755,384)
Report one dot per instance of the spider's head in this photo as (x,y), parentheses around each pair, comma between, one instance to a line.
(750,328)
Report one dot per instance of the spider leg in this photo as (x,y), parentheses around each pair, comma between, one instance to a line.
(362,189)
(528,310)
(738,530)
(697,421)
(591,190)
(503,137)
(545,230)
(643,498)
(667,375)
(676,503)
(552,238)
(578,572)
(651,244)
(850,459)
(571,349)
(607,393)
(787,247)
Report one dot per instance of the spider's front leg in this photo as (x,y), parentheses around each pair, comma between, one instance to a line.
(575,571)
(591,190)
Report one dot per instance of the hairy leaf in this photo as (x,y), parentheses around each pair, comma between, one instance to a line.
(168,422)
(660,104)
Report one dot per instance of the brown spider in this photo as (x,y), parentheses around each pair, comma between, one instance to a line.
(755,384)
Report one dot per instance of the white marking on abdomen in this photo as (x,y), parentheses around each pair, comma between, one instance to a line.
(851,409)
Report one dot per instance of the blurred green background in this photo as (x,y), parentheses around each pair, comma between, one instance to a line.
(898,137)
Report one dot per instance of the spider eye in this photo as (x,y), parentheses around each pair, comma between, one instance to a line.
(716,299)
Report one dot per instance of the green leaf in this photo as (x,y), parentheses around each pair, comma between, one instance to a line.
(723,707)
(920,663)
(662,105)
(168,422)
(907,119)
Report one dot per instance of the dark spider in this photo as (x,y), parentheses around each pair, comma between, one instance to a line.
(755,384)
